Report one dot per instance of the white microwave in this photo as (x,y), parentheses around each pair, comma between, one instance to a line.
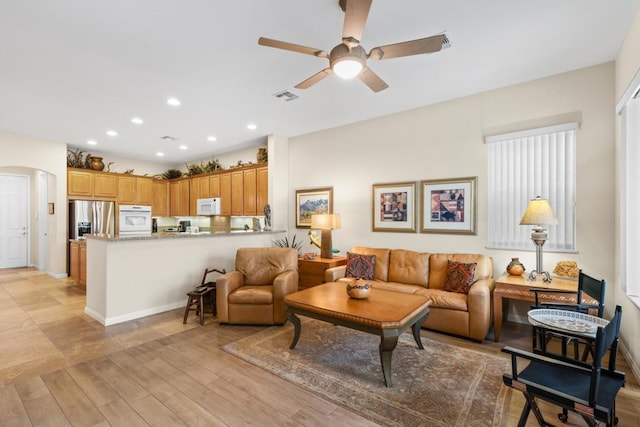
(210,206)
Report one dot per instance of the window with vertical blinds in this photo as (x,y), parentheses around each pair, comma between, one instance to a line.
(523,165)
(630,197)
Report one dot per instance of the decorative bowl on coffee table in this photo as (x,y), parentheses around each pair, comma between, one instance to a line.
(358,291)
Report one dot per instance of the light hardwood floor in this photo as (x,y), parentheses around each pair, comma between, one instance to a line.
(59,367)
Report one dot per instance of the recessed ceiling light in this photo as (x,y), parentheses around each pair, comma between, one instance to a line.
(92,142)
(212,138)
(174,102)
(137,121)
(159,154)
(183,147)
(251,126)
(112,133)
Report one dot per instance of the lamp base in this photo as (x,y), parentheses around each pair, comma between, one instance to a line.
(535,273)
(539,236)
(326,246)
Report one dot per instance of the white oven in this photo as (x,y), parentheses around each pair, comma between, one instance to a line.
(134,220)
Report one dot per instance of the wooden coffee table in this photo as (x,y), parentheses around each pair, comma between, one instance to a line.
(385,313)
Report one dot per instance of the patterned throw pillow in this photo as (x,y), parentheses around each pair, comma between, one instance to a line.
(360,266)
(459,276)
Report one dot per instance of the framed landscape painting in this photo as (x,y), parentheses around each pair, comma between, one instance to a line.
(394,207)
(312,201)
(449,206)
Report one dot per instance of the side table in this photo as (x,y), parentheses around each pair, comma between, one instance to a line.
(311,271)
(518,288)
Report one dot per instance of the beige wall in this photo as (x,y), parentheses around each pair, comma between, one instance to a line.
(627,65)
(446,141)
(50,157)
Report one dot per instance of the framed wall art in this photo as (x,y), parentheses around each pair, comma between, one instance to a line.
(394,207)
(449,206)
(312,201)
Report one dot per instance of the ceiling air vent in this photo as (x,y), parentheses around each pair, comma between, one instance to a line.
(445,42)
(286,95)
(169,138)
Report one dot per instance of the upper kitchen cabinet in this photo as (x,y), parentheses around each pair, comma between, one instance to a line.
(237,193)
(249,193)
(135,190)
(160,198)
(179,197)
(91,185)
(225,194)
(199,189)
(79,183)
(262,188)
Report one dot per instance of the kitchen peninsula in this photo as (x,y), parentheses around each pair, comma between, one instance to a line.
(137,276)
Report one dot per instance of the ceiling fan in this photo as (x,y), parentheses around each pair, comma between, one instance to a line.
(349,59)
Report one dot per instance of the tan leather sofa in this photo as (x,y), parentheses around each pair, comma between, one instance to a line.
(254,292)
(468,315)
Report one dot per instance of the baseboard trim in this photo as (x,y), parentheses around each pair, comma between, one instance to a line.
(635,369)
(57,275)
(108,321)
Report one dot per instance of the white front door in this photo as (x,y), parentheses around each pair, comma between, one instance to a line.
(14,231)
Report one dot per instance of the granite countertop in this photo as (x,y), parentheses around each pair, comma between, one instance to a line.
(176,235)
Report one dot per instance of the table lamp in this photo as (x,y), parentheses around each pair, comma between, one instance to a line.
(326,223)
(539,214)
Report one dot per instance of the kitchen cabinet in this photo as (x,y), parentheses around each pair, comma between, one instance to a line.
(144,190)
(214,185)
(199,189)
(78,262)
(249,192)
(86,184)
(160,198)
(179,197)
(79,183)
(237,193)
(262,188)
(127,190)
(134,190)
(105,185)
(225,194)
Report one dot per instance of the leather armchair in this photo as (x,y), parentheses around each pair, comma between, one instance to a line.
(254,292)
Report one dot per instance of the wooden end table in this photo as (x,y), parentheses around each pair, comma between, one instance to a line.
(311,271)
(518,288)
(384,313)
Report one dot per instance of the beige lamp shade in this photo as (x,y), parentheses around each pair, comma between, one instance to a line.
(538,212)
(326,221)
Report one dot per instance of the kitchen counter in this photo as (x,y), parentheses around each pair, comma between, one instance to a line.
(180,235)
(129,277)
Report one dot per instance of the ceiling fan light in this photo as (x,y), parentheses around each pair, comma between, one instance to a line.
(347,68)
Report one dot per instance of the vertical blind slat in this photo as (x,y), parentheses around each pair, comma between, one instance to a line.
(523,168)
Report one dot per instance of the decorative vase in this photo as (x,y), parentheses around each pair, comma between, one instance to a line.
(358,291)
(96,163)
(515,267)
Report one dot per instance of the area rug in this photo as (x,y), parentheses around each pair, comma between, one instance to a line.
(442,385)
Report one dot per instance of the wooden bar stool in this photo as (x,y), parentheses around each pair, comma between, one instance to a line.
(205,293)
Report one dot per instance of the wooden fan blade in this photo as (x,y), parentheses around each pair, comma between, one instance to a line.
(293,47)
(413,47)
(314,79)
(372,80)
(355,17)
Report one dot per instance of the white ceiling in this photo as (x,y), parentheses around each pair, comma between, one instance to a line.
(72,69)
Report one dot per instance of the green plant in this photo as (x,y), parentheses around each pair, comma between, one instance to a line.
(172,174)
(285,243)
(78,159)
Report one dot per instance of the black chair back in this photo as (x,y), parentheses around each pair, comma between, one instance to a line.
(588,389)
(595,288)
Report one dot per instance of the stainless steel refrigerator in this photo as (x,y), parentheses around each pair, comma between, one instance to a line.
(91,217)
